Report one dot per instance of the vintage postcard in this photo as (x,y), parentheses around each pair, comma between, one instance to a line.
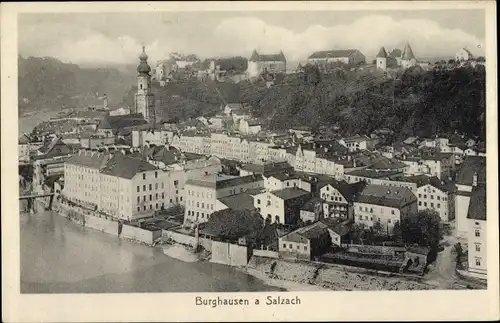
(249,161)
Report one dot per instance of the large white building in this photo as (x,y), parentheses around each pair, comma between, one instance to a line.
(202,193)
(476,232)
(344,56)
(436,195)
(384,204)
(262,63)
(151,137)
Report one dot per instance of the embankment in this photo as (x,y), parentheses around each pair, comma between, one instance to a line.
(327,276)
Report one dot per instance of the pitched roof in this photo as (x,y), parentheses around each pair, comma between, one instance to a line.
(23,139)
(382,53)
(219,182)
(55,147)
(396,197)
(311,204)
(310,232)
(385,163)
(232,224)
(126,167)
(242,201)
(256,57)
(290,193)
(422,180)
(373,173)
(122,121)
(340,228)
(348,191)
(477,205)
(269,168)
(407,53)
(89,159)
(471,165)
(333,53)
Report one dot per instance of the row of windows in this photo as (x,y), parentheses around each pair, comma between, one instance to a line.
(192,213)
(366,209)
(209,206)
(144,187)
(432,197)
(192,193)
(438,205)
(290,246)
(144,175)
(370,218)
(144,208)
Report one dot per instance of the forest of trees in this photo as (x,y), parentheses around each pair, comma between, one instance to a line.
(47,83)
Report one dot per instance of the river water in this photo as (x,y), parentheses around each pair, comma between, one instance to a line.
(59,256)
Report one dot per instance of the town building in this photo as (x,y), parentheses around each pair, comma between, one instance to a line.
(110,125)
(387,205)
(476,232)
(250,127)
(305,243)
(94,141)
(472,173)
(281,205)
(82,182)
(151,137)
(312,210)
(436,195)
(24,149)
(358,142)
(389,178)
(266,63)
(338,198)
(202,193)
(144,98)
(345,56)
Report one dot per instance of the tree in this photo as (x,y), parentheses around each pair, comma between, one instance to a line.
(423,228)
(396,233)
(451,61)
(377,227)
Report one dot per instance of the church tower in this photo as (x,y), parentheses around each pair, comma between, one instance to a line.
(144,99)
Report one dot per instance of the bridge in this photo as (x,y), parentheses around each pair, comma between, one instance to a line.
(30,198)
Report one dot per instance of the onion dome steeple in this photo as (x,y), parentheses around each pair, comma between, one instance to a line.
(143,67)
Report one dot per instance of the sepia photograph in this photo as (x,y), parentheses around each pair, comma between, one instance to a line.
(270,151)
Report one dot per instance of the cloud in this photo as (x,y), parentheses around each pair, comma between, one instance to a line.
(79,42)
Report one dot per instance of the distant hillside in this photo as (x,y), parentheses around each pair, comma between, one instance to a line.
(49,84)
(415,103)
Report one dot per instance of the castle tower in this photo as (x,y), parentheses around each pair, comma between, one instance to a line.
(408,58)
(144,99)
(382,59)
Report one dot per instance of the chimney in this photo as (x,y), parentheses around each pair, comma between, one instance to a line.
(474,179)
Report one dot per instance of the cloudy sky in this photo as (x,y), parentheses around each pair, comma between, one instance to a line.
(117,37)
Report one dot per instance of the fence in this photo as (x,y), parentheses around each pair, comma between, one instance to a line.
(139,234)
(229,254)
(266,253)
(181,238)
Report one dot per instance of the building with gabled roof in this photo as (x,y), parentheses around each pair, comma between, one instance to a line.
(386,205)
(342,56)
(477,232)
(110,125)
(305,243)
(408,59)
(266,63)
(338,198)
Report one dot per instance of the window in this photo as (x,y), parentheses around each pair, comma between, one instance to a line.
(425,196)
(157,206)
(432,204)
(392,212)
(425,203)
(258,201)
(361,217)
(177,192)
(284,245)
(438,205)
(389,221)
(197,204)
(366,217)
(478,262)
(180,198)
(138,199)
(150,206)
(420,203)
(305,248)
(156,196)
(432,197)
(150,187)
(438,197)
(150,197)
(419,195)
(478,247)
(138,188)
(162,195)
(371,210)
(478,233)
(143,176)
(144,207)
(144,198)
(138,209)
(156,174)
(189,212)
(290,245)
(202,205)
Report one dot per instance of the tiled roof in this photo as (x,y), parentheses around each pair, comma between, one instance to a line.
(372,173)
(219,183)
(290,193)
(477,205)
(256,57)
(268,169)
(348,191)
(407,53)
(421,180)
(333,53)
(232,224)
(89,159)
(310,232)
(382,53)
(122,121)
(339,228)
(384,163)
(242,201)
(387,196)
(56,147)
(471,165)
(310,204)
(126,167)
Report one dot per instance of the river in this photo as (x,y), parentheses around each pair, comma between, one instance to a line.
(59,256)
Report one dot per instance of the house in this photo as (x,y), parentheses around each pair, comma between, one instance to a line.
(218,122)
(463,55)
(387,205)
(250,127)
(24,149)
(311,211)
(338,198)
(151,137)
(358,142)
(476,232)
(266,63)
(281,205)
(338,231)
(471,174)
(204,192)
(305,243)
(436,195)
(285,179)
(344,56)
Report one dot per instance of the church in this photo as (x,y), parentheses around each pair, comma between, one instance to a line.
(143,113)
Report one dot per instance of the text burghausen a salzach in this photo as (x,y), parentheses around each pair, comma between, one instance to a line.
(229,301)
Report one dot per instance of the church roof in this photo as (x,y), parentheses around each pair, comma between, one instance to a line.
(143,67)
(122,121)
(408,53)
(382,53)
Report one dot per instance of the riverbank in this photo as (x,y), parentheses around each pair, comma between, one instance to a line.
(301,276)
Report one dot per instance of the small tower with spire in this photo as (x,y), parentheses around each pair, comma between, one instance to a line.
(382,59)
(408,58)
(144,99)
